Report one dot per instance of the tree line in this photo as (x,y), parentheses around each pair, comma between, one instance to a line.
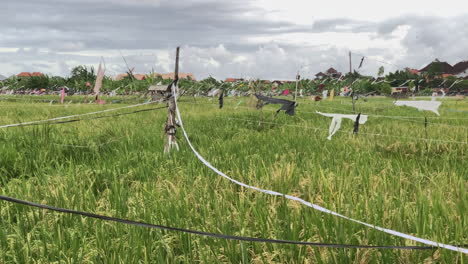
(82,78)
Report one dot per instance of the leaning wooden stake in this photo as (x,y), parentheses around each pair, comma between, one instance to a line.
(171,122)
(298,77)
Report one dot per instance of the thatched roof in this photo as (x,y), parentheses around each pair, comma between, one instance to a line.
(161,88)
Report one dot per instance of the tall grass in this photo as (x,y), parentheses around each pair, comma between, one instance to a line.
(405,184)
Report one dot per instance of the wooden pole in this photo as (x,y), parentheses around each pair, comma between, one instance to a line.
(350,65)
(176,72)
(171,121)
(297,84)
(354,102)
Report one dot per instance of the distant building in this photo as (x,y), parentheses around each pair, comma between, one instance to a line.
(442,68)
(413,71)
(171,76)
(157,92)
(320,75)
(400,90)
(277,83)
(137,76)
(461,69)
(29,74)
(164,76)
(330,73)
(233,80)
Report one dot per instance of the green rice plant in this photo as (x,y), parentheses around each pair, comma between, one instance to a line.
(386,175)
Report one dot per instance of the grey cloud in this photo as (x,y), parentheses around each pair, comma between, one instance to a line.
(434,37)
(213,35)
(127,24)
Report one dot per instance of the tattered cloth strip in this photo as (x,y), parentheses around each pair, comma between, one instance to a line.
(62,96)
(221,99)
(432,106)
(356,124)
(309,204)
(99,78)
(336,121)
(360,64)
(287,106)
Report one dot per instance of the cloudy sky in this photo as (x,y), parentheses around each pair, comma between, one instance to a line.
(267,39)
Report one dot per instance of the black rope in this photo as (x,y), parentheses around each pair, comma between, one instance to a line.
(201,233)
(91,118)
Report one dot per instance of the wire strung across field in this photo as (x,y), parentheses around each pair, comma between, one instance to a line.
(400,118)
(304,202)
(202,233)
(403,118)
(97,117)
(46,121)
(370,134)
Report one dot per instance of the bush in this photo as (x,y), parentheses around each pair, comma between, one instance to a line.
(426,91)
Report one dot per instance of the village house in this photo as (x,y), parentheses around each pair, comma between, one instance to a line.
(400,90)
(330,73)
(459,70)
(157,92)
(29,75)
(164,76)
(445,69)
(233,80)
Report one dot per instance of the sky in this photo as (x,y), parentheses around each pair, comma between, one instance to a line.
(265,39)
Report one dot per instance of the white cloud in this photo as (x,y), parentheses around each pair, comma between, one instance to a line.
(246,38)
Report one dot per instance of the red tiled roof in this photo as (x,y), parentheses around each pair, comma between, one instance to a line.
(233,80)
(28,74)
(171,76)
(163,75)
(413,71)
(139,77)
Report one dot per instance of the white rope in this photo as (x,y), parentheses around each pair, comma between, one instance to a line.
(432,106)
(70,116)
(363,133)
(316,207)
(410,119)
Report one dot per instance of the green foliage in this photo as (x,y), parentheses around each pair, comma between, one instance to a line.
(381,71)
(83,78)
(435,70)
(426,92)
(383,88)
(37,82)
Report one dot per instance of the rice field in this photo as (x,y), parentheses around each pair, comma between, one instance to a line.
(387,175)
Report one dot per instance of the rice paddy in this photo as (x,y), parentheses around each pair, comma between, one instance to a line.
(387,175)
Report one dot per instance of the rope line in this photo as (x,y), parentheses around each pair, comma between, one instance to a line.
(202,233)
(401,118)
(91,118)
(370,134)
(306,203)
(71,116)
